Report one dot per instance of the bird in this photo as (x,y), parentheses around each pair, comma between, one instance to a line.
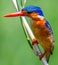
(41,28)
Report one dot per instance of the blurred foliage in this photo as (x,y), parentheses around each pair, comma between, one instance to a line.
(14,49)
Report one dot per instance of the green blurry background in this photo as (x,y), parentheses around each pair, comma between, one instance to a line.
(14,48)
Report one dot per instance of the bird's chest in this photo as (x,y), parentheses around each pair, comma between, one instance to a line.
(40,31)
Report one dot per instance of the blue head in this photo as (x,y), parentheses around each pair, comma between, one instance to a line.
(31,9)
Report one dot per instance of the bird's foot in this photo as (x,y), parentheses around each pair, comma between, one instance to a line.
(34,41)
(41,56)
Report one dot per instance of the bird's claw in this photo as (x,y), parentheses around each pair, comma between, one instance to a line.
(41,56)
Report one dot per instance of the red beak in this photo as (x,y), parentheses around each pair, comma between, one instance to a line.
(15,14)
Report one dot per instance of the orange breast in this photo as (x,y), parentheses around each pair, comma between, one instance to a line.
(39,29)
(42,22)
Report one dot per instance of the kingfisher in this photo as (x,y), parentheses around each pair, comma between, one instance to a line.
(40,26)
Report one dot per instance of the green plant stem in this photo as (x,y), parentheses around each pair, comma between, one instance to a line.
(24,29)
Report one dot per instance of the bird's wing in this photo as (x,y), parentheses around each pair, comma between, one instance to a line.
(48,26)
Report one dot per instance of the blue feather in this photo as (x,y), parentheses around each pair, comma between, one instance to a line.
(49,26)
(50,29)
(34,9)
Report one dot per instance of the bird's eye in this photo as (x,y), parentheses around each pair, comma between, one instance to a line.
(29,12)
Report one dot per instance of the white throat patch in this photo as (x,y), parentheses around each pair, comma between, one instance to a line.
(41,17)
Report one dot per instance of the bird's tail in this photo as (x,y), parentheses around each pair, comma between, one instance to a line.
(47,56)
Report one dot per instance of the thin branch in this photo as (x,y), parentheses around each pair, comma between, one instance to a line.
(18,8)
(32,37)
